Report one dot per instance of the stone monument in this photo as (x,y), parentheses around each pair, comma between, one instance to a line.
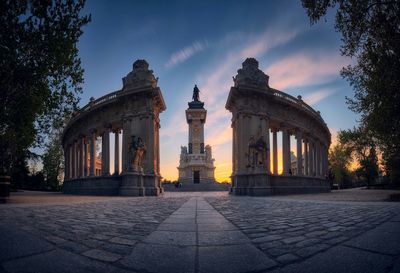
(196,165)
(134,110)
(258,111)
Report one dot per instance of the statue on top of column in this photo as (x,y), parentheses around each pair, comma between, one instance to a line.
(137,149)
(196,93)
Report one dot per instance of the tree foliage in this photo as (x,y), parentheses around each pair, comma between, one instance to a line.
(339,159)
(362,145)
(371,34)
(53,161)
(40,71)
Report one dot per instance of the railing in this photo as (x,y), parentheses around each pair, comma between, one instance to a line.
(297,102)
(106,98)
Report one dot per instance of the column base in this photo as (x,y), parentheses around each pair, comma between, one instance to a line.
(132,184)
(151,184)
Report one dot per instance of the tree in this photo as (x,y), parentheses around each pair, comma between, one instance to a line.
(361,143)
(339,159)
(53,161)
(371,33)
(40,72)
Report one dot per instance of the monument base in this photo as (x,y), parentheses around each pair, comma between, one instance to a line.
(132,184)
(265,184)
(152,184)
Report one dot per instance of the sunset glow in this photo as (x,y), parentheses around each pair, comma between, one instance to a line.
(299,59)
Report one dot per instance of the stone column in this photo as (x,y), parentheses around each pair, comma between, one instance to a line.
(306,160)
(126,139)
(86,157)
(66,162)
(265,132)
(105,152)
(275,151)
(299,153)
(148,128)
(92,152)
(317,159)
(286,151)
(116,152)
(82,157)
(311,158)
(234,149)
(74,159)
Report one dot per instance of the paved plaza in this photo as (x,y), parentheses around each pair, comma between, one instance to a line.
(200,232)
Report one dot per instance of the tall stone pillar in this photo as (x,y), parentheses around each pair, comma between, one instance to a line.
(275,151)
(74,160)
(317,158)
(116,151)
(311,158)
(265,133)
(299,153)
(82,157)
(86,158)
(286,151)
(105,152)
(126,140)
(306,160)
(66,162)
(149,124)
(234,148)
(92,152)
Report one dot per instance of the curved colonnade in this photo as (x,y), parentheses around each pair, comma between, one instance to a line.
(133,112)
(259,111)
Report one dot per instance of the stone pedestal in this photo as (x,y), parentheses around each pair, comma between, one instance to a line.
(132,184)
(152,185)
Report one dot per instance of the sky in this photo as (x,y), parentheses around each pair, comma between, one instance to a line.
(205,43)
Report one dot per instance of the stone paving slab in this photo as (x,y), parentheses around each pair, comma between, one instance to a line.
(59,261)
(198,232)
(199,251)
(15,243)
(342,259)
(384,239)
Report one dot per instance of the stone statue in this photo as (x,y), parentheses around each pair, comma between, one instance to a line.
(208,154)
(257,149)
(183,156)
(140,76)
(196,93)
(137,149)
(249,75)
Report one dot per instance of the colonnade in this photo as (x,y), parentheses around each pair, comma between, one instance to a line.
(80,154)
(312,154)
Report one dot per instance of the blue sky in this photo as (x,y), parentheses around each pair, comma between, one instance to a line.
(204,43)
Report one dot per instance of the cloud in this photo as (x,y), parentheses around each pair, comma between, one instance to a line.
(185,53)
(317,96)
(305,68)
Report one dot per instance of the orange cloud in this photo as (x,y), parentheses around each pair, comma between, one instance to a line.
(305,68)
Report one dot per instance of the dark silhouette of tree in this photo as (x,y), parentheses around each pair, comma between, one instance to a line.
(371,34)
(40,72)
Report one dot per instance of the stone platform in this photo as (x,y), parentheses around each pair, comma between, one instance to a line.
(127,184)
(200,232)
